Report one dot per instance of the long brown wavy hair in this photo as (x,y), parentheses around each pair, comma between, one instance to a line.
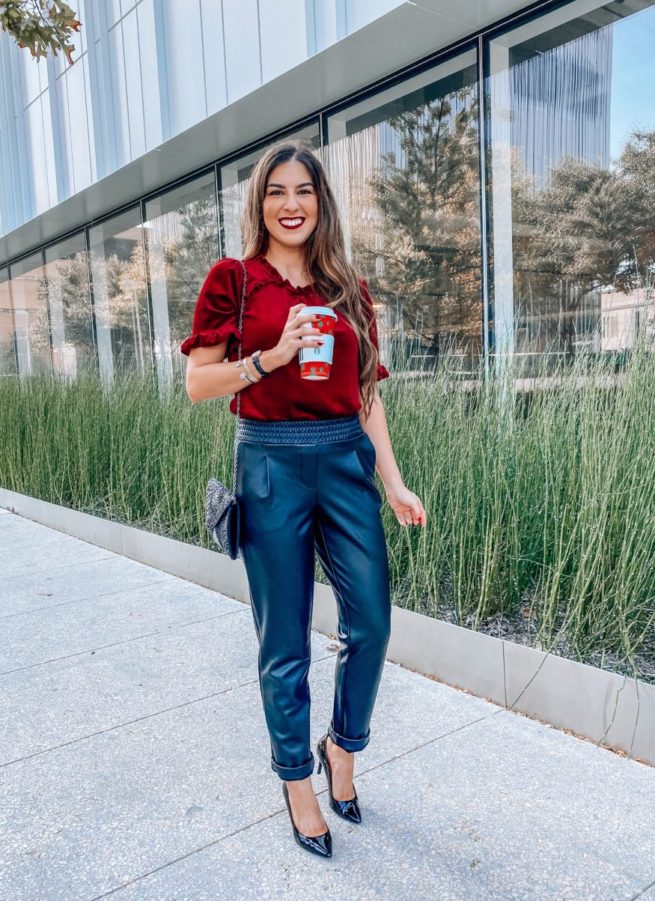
(325,259)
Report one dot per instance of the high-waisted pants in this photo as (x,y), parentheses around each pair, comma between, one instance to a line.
(305,486)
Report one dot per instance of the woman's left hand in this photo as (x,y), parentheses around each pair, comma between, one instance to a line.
(407,506)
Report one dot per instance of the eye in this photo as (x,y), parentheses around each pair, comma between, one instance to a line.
(272,191)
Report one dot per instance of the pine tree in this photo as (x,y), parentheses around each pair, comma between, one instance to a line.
(427,194)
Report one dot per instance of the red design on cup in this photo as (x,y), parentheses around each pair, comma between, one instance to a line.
(316,361)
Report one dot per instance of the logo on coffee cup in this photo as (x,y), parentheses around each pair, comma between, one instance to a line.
(316,362)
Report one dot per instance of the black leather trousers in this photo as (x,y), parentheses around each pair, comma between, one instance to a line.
(305,486)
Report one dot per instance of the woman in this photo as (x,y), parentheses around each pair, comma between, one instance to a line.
(307,456)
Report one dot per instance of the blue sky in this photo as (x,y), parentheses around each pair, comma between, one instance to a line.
(633,77)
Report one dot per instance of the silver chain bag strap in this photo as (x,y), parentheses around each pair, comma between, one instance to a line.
(222,513)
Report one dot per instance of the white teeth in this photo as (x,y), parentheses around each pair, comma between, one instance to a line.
(291,221)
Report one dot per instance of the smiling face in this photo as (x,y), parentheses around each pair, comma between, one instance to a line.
(290,204)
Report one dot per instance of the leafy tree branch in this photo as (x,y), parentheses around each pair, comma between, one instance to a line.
(41,26)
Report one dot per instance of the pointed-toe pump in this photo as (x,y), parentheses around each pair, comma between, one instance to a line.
(317,844)
(349,809)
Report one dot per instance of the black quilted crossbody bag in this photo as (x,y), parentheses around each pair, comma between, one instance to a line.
(222,513)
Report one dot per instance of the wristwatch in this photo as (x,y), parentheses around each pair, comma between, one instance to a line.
(258,366)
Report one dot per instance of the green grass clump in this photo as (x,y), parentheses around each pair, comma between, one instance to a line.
(540,495)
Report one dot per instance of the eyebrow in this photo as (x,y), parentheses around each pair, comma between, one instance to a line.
(273,184)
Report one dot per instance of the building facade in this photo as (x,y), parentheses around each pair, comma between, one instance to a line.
(492,161)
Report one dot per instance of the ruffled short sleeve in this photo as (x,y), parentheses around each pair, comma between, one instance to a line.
(382,371)
(215,318)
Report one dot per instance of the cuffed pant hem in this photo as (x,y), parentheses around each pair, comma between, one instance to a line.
(349,744)
(289,773)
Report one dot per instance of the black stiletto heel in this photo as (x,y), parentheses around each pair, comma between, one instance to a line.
(318,844)
(349,809)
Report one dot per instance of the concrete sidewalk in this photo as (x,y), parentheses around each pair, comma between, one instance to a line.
(135,761)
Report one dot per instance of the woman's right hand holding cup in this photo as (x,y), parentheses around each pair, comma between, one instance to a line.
(297,333)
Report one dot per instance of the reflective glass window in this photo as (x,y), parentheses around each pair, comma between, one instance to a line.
(120,299)
(7,334)
(181,232)
(404,165)
(572,169)
(29,298)
(67,280)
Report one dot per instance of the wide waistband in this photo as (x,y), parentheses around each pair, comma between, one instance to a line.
(299,431)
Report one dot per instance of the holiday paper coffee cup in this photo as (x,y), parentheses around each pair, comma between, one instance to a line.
(316,362)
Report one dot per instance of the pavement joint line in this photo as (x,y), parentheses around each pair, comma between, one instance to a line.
(639,894)
(106,594)
(114,644)
(23,520)
(193,851)
(146,716)
(30,569)
(207,619)
(424,744)
(61,537)
(111,555)
(278,812)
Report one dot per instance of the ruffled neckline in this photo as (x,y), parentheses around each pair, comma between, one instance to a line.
(279,279)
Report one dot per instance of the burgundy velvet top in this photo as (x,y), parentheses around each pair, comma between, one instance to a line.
(269,297)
